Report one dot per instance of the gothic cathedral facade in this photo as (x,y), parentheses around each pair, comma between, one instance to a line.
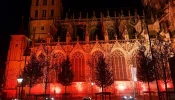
(115,36)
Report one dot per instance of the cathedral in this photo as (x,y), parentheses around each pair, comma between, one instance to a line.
(84,38)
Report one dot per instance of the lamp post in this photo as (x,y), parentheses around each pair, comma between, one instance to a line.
(92,84)
(19,79)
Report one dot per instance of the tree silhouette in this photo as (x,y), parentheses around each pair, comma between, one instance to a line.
(65,77)
(154,6)
(145,68)
(32,72)
(104,76)
(161,51)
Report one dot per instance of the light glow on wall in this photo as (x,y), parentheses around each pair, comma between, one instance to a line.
(56,88)
(144,88)
(120,86)
(169,85)
(79,86)
(99,89)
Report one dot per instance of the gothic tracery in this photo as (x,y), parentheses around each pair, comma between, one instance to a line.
(78,66)
(119,66)
(121,50)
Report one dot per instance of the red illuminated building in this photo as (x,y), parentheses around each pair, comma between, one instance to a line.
(115,36)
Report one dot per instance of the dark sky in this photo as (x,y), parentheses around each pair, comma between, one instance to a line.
(90,4)
(13,10)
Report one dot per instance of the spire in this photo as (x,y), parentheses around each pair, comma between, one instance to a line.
(21,29)
(80,15)
(108,13)
(115,14)
(66,15)
(135,13)
(121,12)
(73,15)
(143,13)
(94,14)
(129,13)
(87,15)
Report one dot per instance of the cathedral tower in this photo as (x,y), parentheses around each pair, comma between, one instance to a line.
(42,14)
(15,63)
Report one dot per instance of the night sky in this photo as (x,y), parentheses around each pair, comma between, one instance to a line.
(13,10)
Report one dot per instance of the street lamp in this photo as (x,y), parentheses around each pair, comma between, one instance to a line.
(19,79)
(92,83)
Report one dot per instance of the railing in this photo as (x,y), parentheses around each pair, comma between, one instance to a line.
(92,42)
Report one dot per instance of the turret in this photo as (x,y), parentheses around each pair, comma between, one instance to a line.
(68,37)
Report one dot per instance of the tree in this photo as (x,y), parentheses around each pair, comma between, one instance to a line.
(145,68)
(32,72)
(103,75)
(65,77)
(157,4)
(154,8)
(161,51)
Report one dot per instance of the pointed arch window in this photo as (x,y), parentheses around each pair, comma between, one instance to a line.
(78,66)
(52,13)
(80,31)
(134,61)
(36,13)
(37,2)
(95,57)
(52,2)
(43,13)
(41,58)
(118,63)
(58,58)
(44,2)
(42,27)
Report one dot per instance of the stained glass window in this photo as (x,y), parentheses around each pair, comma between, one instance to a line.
(78,65)
(119,66)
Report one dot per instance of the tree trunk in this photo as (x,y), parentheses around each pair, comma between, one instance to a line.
(30,86)
(102,93)
(166,90)
(45,90)
(157,84)
(150,97)
(65,94)
(29,92)
(22,91)
(165,79)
